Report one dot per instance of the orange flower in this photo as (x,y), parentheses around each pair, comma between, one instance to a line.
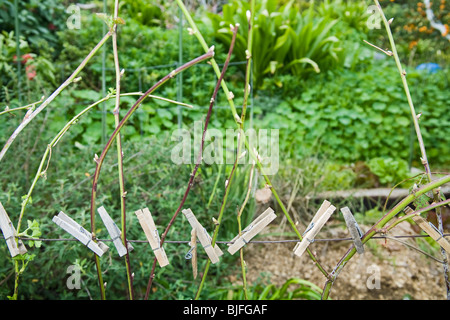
(423,29)
(447,30)
(412,44)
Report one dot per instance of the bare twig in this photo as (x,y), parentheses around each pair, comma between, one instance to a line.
(27,107)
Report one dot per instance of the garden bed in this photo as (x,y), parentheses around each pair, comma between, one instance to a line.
(405,273)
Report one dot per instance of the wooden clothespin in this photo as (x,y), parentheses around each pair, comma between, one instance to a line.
(192,253)
(354,229)
(430,229)
(114,232)
(252,230)
(213,252)
(10,234)
(148,225)
(319,220)
(81,234)
(324,206)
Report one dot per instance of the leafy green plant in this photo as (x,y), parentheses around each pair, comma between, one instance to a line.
(292,289)
(39,22)
(389,171)
(286,40)
(366,120)
(145,13)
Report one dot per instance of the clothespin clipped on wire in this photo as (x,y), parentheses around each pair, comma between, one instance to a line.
(430,229)
(252,230)
(148,225)
(85,237)
(213,252)
(321,217)
(114,232)
(354,229)
(192,253)
(10,234)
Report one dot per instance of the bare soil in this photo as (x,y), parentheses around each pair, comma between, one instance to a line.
(404,273)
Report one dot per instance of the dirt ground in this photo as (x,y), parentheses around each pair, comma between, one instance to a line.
(403,272)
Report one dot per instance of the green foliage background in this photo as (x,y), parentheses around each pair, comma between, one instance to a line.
(351,115)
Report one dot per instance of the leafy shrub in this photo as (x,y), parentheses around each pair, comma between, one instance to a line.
(389,171)
(145,13)
(152,181)
(39,22)
(350,116)
(292,289)
(38,72)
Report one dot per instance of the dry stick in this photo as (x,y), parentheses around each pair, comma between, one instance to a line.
(378,227)
(120,153)
(66,83)
(199,159)
(424,158)
(215,66)
(101,159)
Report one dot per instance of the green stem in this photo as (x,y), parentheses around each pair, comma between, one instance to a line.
(120,153)
(29,106)
(215,185)
(423,158)
(378,227)
(244,140)
(240,138)
(206,48)
(40,171)
(241,210)
(108,145)
(416,213)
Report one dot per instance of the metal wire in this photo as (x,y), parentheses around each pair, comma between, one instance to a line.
(230,242)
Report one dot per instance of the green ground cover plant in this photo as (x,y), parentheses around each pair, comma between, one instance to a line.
(352,114)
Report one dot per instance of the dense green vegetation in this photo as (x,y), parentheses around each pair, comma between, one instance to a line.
(339,105)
